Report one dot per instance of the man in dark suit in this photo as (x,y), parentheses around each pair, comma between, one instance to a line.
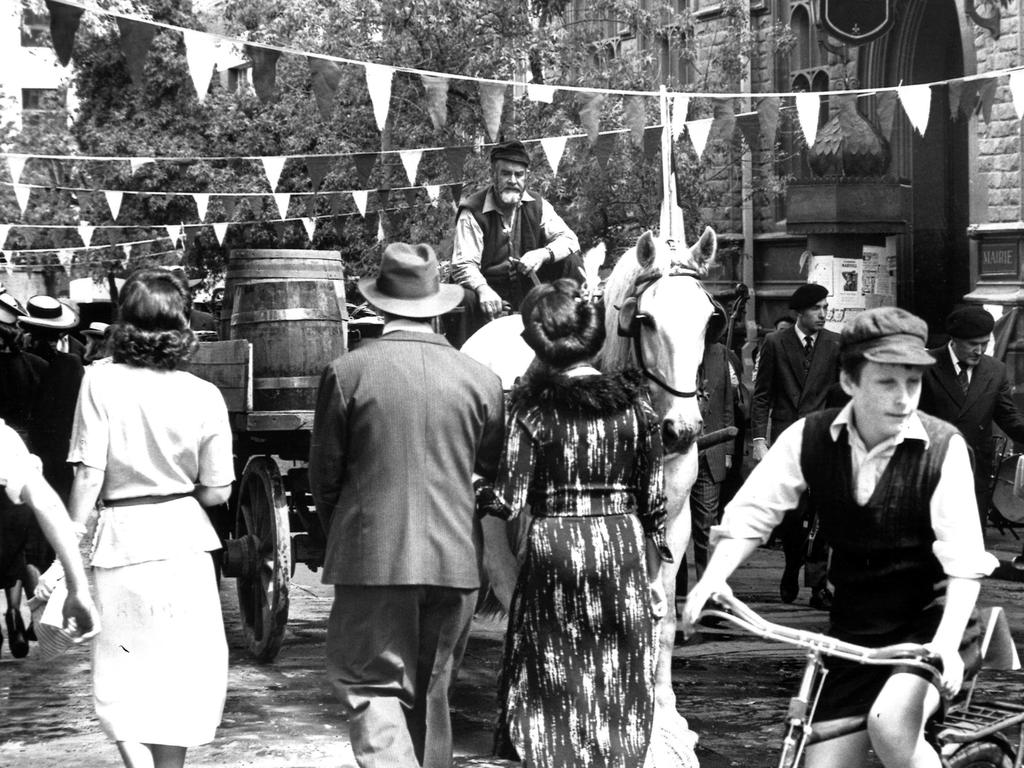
(972,391)
(402,425)
(796,367)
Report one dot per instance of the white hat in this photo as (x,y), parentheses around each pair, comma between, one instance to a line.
(48,312)
(10,308)
(96,329)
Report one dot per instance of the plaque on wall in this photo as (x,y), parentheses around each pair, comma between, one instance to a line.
(857,21)
(998,259)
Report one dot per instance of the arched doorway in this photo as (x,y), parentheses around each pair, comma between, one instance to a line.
(926,45)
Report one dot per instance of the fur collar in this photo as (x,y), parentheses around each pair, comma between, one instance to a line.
(598,395)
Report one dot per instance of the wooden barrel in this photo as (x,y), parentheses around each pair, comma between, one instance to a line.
(296,327)
(256,265)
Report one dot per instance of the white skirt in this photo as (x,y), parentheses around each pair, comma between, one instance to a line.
(160,663)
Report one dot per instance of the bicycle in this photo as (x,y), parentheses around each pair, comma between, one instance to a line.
(970,733)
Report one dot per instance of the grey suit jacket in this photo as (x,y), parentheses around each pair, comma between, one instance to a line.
(717,409)
(786,389)
(401,424)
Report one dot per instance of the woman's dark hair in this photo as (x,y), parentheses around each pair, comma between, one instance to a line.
(152,326)
(560,325)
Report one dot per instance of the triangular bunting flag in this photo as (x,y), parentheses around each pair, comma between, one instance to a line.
(65,256)
(85,231)
(364,166)
(16,164)
(750,128)
(411,161)
(383,195)
(986,97)
(554,148)
(808,108)
(1017,91)
(63,26)
(310,226)
(137,162)
(456,191)
(378,83)
(768,114)
(955,89)
(725,120)
(228,203)
(433,192)
(636,117)
(603,147)
(220,229)
(282,199)
(339,227)
(21,192)
(917,103)
(126,249)
(336,201)
(360,196)
(436,88)
(201,55)
(114,198)
(175,232)
(5,230)
(135,41)
(273,166)
(680,105)
(281,229)
(310,205)
(318,167)
(492,101)
(652,141)
(264,70)
(699,130)
(456,159)
(545,94)
(412,197)
(590,114)
(380,227)
(202,203)
(885,113)
(326,77)
(84,202)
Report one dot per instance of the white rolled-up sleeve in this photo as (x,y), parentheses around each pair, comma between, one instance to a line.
(467,250)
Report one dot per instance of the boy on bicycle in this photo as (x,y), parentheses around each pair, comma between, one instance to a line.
(893,492)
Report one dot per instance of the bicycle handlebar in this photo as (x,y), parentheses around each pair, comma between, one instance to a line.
(913,655)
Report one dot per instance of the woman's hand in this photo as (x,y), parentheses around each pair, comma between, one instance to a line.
(659,601)
(81,619)
(952,668)
(696,600)
(48,580)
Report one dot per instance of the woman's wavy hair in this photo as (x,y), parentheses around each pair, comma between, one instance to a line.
(152,328)
(560,325)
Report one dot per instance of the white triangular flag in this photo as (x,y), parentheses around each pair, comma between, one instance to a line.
(21,192)
(282,199)
(174,231)
(16,163)
(808,107)
(113,202)
(378,83)
(540,92)
(5,230)
(310,225)
(220,229)
(554,147)
(917,103)
(680,106)
(433,192)
(1017,91)
(85,230)
(272,166)
(202,203)
(137,162)
(64,256)
(360,196)
(380,227)
(411,160)
(699,131)
(201,55)
(127,249)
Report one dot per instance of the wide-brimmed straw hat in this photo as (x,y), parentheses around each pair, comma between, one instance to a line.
(10,308)
(48,312)
(96,329)
(409,283)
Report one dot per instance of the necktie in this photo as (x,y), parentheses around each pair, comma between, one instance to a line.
(808,346)
(961,377)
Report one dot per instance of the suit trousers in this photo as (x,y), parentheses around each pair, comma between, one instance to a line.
(800,550)
(704,498)
(392,655)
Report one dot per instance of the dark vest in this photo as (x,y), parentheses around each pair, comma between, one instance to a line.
(495,264)
(882,565)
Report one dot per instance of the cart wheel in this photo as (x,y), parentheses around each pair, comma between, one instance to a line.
(263,591)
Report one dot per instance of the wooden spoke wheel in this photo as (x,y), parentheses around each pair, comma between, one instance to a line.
(261,520)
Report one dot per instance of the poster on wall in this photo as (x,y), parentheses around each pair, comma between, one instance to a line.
(820,271)
(878,284)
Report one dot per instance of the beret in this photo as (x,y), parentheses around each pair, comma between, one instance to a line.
(513,151)
(887,335)
(969,322)
(807,295)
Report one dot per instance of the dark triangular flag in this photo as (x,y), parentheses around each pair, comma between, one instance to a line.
(652,141)
(318,166)
(885,111)
(256,203)
(750,127)
(311,206)
(768,115)
(456,190)
(456,158)
(84,203)
(383,196)
(412,196)
(986,95)
(264,70)
(136,38)
(339,227)
(969,97)
(228,203)
(364,166)
(63,26)
(603,147)
(724,124)
(955,89)
(336,202)
(326,77)
(281,228)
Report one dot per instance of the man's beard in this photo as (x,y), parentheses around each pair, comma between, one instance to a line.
(509,196)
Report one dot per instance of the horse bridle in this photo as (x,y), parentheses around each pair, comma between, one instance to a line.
(632,321)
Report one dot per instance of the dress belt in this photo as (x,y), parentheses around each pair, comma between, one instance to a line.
(133,501)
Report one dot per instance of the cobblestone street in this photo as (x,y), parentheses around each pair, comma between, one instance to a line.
(732,689)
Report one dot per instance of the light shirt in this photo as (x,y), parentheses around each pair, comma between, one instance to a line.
(17,465)
(405,324)
(804,336)
(777,482)
(956,363)
(469,239)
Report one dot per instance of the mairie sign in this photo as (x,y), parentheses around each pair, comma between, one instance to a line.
(857,21)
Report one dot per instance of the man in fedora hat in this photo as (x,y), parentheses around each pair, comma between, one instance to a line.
(401,426)
(795,369)
(505,237)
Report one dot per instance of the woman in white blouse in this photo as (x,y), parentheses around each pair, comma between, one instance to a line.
(152,446)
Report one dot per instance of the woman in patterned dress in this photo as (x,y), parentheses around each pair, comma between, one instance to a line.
(584,454)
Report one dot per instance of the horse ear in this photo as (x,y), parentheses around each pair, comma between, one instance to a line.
(646,249)
(704,250)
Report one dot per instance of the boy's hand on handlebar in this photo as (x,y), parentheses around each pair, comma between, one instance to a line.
(696,600)
(952,669)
